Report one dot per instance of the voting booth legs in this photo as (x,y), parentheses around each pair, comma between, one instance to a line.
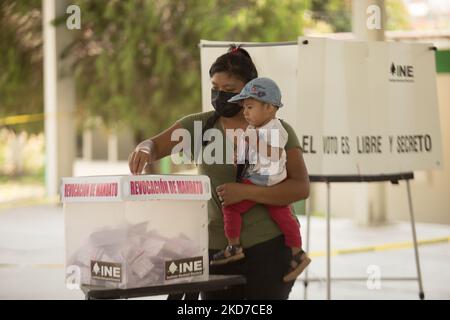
(393,179)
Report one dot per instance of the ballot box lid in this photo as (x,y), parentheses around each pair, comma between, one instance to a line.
(135,188)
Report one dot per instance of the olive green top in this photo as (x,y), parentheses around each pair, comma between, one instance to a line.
(257,225)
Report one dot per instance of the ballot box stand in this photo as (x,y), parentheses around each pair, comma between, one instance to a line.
(178,291)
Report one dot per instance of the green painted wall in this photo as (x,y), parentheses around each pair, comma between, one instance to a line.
(443,61)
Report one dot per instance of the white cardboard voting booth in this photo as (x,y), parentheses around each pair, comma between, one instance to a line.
(358,107)
(363,111)
(136,231)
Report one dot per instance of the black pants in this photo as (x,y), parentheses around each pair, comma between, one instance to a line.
(264,266)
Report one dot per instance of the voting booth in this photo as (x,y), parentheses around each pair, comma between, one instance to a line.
(363,111)
(135,231)
(359,108)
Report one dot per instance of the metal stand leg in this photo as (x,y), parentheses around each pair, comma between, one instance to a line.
(416,249)
(191,296)
(308,220)
(328,244)
(175,296)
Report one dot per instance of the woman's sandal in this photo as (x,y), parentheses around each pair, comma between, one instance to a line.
(229,254)
(299,263)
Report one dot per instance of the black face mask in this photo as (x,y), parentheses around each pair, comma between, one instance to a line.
(219,100)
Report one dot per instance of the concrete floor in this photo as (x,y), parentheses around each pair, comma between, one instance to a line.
(32,254)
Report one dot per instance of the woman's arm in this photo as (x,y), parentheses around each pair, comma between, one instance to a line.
(161,147)
(294,188)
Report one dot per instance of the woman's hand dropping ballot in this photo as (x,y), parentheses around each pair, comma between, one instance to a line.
(141,156)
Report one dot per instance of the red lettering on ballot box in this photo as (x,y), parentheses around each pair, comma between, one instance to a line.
(166,187)
(75,190)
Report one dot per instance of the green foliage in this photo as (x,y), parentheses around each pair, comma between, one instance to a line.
(138,63)
(21,59)
(397,16)
(336,13)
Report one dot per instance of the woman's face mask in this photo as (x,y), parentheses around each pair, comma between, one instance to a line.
(219,100)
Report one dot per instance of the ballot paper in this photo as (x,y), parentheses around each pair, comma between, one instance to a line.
(142,253)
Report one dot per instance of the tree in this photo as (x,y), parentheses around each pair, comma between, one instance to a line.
(21,59)
(397,16)
(137,62)
(147,73)
(335,13)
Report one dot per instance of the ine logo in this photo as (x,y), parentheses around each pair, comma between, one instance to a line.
(106,271)
(401,73)
(184,268)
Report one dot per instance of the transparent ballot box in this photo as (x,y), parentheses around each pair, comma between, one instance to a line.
(135,231)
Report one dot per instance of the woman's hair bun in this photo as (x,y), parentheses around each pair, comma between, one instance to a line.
(236,49)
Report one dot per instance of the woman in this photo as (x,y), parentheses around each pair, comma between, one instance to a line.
(267,258)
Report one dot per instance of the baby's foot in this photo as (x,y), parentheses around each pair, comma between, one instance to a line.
(298,263)
(229,254)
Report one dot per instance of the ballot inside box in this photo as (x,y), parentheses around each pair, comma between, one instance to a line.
(136,231)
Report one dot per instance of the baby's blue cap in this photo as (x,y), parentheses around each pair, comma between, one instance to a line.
(261,89)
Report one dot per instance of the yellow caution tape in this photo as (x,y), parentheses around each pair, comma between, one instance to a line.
(388,246)
(383,247)
(21,119)
(34,266)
